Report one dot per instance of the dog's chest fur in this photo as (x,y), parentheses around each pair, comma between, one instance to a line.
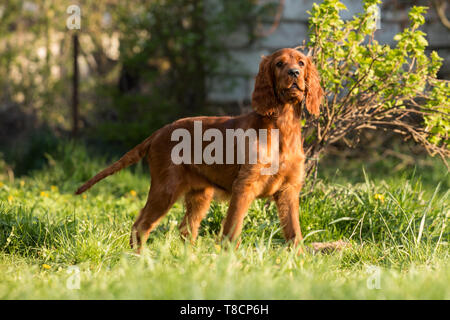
(291,156)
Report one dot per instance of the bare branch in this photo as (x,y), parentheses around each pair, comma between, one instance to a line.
(440,7)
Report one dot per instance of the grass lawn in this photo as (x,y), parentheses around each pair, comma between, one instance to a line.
(396,221)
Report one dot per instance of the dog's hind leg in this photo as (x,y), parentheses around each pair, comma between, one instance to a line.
(197,205)
(160,199)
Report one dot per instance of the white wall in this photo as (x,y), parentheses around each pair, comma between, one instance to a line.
(235,79)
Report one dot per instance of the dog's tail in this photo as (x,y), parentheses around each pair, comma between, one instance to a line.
(131,157)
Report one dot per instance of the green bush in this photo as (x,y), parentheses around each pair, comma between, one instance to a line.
(373,86)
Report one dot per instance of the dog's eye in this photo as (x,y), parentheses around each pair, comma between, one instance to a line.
(279,64)
(301,63)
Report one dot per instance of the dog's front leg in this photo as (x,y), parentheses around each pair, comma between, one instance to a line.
(288,211)
(241,198)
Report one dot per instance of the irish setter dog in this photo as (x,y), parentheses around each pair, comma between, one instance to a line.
(287,80)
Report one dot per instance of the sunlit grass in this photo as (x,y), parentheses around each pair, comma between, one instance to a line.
(397,225)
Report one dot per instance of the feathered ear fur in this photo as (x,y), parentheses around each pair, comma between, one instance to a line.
(314,92)
(264,100)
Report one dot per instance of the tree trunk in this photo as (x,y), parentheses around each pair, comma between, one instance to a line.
(75,84)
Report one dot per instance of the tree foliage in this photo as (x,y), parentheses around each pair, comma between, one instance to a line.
(142,63)
(168,52)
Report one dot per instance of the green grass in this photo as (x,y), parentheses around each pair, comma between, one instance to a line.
(397,223)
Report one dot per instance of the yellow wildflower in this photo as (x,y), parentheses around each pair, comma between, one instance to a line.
(54,188)
(22,183)
(133,193)
(10,198)
(84,196)
(379,197)
(218,248)
(278,261)
(46,266)
(44,194)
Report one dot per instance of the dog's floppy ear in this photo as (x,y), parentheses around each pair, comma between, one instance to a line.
(264,100)
(314,92)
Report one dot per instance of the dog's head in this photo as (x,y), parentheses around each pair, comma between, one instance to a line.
(286,76)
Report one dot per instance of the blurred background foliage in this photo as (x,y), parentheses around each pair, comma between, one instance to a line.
(142,64)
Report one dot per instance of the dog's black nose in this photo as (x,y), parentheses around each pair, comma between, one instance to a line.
(294,72)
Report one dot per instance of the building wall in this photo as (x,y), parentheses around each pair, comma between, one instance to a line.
(235,79)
